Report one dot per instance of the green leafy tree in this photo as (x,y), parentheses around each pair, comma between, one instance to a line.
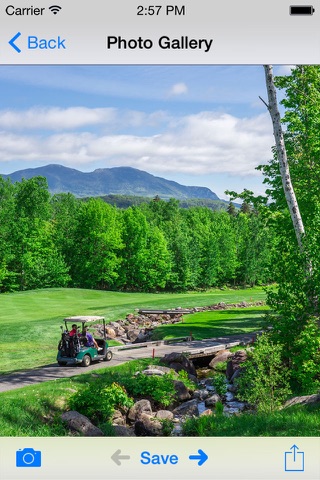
(145,263)
(65,209)
(97,243)
(7,277)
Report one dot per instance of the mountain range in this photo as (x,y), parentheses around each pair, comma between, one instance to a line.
(106,181)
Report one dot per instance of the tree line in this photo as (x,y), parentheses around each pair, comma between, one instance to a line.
(53,241)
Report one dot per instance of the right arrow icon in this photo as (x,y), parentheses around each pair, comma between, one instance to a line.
(13,45)
(201,457)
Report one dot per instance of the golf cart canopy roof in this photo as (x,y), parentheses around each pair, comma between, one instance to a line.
(83,319)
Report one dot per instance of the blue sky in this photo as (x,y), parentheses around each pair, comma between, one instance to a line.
(197,125)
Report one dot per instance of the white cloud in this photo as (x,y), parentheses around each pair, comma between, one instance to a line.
(178,89)
(60,119)
(203,143)
(51,118)
(283,69)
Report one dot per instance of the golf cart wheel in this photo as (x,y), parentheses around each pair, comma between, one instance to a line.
(108,356)
(62,364)
(86,361)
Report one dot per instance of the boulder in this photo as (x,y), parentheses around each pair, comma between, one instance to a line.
(133,334)
(178,362)
(236,374)
(140,407)
(118,418)
(142,337)
(201,394)
(182,393)
(187,408)
(153,371)
(221,356)
(235,362)
(164,415)
(162,368)
(122,431)
(304,400)
(147,426)
(79,423)
(110,332)
(193,378)
(211,401)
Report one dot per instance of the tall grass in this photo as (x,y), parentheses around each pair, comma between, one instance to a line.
(298,421)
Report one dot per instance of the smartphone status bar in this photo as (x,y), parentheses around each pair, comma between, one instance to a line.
(139,32)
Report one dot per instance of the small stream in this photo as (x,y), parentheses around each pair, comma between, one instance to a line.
(231,405)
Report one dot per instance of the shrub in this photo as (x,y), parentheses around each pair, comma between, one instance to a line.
(219,382)
(98,401)
(160,389)
(167,427)
(264,382)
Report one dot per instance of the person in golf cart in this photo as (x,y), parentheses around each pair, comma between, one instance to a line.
(78,346)
(88,339)
(74,330)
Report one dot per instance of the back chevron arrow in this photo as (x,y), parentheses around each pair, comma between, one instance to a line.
(13,45)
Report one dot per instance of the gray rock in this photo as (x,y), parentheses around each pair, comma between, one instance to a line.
(182,393)
(162,368)
(164,415)
(153,371)
(81,424)
(117,418)
(147,426)
(187,408)
(122,431)
(235,362)
(193,378)
(211,401)
(305,400)
(220,357)
(201,394)
(236,374)
(178,362)
(133,334)
(140,407)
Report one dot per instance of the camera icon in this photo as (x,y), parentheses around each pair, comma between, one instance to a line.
(28,458)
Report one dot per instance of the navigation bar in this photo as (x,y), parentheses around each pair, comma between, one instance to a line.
(184,32)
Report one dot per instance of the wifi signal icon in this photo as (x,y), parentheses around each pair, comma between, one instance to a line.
(55,9)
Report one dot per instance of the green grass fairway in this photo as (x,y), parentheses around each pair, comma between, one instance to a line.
(216,323)
(30,321)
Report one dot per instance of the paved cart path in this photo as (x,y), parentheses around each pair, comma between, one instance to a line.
(55,371)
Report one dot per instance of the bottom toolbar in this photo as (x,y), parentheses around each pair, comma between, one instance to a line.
(115,458)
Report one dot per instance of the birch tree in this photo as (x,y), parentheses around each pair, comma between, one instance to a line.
(282,157)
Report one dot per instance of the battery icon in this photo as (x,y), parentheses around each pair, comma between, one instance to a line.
(301,10)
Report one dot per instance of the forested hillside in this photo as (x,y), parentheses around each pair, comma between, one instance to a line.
(51,241)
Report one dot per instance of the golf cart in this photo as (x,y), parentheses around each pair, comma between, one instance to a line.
(74,348)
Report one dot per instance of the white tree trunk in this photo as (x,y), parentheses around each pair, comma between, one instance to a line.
(282,157)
